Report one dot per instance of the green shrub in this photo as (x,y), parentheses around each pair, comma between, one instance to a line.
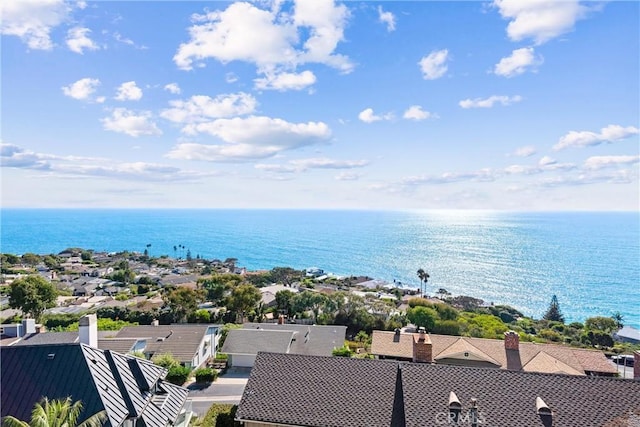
(447,327)
(178,374)
(550,335)
(205,375)
(342,351)
(166,360)
(220,415)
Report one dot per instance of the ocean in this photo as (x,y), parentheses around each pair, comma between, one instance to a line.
(590,260)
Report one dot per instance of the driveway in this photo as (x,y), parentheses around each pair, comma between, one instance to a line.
(227,388)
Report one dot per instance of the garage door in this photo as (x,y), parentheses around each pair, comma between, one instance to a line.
(243,360)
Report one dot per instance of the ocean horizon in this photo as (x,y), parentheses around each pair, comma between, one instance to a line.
(590,260)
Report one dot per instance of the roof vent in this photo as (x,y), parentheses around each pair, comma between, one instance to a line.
(541,407)
(455,408)
(51,356)
(160,339)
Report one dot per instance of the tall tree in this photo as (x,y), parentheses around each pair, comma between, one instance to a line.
(182,302)
(424,277)
(553,312)
(243,299)
(57,413)
(32,295)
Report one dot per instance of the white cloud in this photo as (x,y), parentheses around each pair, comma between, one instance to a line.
(128,91)
(77,40)
(122,39)
(13,156)
(32,20)
(276,168)
(324,163)
(539,20)
(415,112)
(348,176)
(200,108)
(489,102)
(173,88)
(131,123)
(518,63)
(301,165)
(82,89)
(547,161)
(525,151)
(599,162)
(368,116)
(268,38)
(250,138)
(230,78)
(285,81)
(387,18)
(609,134)
(434,65)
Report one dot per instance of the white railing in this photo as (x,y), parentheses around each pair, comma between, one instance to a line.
(185,415)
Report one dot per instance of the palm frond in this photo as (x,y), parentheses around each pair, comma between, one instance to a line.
(10,421)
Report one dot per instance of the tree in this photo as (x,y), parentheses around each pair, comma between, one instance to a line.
(619,319)
(32,295)
(57,413)
(285,275)
(243,299)
(31,259)
(284,300)
(308,300)
(553,312)
(182,302)
(424,277)
(423,316)
(600,323)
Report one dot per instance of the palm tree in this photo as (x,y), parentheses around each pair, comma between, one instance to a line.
(424,277)
(57,413)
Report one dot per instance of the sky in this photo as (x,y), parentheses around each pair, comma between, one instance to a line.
(501,105)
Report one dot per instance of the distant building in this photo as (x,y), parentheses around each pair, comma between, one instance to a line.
(627,334)
(509,354)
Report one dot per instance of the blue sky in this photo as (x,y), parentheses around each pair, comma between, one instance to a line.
(508,105)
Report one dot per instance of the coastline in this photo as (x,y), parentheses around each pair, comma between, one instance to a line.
(517,259)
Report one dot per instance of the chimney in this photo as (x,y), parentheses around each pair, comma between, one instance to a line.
(396,335)
(281,319)
(88,330)
(28,326)
(473,413)
(511,340)
(636,365)
(422,348)
(155,322)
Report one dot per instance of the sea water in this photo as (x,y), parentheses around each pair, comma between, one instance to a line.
(590,260)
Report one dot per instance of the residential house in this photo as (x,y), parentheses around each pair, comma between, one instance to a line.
(130,390)
(312,391)
(269,293)
(627,334)
(509,354)
(191,344)
(243,345)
